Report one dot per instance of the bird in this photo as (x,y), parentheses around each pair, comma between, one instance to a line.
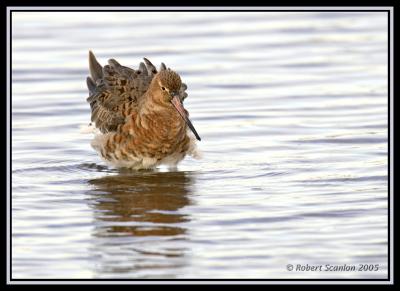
(138,115)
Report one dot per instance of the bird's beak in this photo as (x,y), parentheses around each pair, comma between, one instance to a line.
(179,107)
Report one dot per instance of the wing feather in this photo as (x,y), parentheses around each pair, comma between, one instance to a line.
(115,91)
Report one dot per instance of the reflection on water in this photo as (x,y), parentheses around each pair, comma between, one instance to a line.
(133,213)
(141,204)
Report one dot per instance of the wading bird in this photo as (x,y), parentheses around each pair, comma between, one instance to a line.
(140,119)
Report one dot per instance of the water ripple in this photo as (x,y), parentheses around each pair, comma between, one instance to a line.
(292,110)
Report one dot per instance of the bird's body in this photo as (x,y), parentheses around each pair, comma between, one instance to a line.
(139,115)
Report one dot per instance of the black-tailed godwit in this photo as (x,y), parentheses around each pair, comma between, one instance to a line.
(139,115)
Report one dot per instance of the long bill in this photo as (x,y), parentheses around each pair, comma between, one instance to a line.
(179,107)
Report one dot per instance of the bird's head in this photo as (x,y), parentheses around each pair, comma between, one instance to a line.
(168,83)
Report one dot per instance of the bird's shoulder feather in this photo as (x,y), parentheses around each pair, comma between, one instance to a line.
(115,91)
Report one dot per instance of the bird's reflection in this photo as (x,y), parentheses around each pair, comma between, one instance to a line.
(140,203)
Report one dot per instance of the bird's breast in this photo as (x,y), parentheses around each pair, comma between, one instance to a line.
(158,132)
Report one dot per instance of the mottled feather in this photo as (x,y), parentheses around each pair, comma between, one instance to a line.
(116,90)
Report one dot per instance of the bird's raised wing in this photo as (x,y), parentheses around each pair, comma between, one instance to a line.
(115,91)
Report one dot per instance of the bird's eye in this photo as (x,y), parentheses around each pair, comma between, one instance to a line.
(163,88)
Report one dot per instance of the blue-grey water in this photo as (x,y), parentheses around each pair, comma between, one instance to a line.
(292,111)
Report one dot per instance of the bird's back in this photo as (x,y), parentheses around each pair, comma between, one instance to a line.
(115,91)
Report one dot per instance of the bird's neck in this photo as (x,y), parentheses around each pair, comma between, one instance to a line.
(152,103)
(162,113)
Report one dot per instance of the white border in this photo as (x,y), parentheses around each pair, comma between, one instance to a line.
(168,8)
(391,138)
(160,282)
(8,146)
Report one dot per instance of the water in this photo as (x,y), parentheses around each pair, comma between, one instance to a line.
(292,111)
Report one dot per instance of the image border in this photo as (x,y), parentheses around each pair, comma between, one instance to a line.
(377,9)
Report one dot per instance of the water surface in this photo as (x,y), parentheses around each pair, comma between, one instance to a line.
(292,111)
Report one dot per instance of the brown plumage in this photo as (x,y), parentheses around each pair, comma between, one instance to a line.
(139,114)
